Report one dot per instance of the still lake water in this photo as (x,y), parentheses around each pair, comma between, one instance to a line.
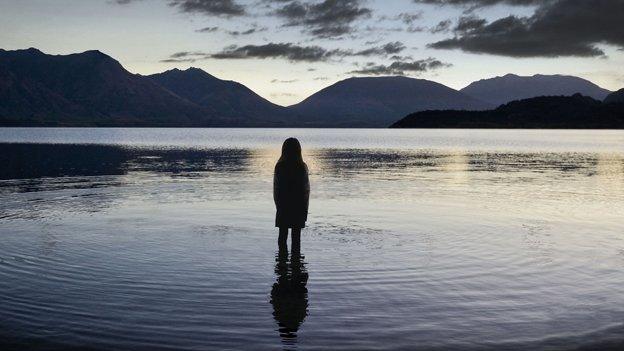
(163,239)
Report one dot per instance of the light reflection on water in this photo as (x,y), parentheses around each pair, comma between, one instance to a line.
(458,240)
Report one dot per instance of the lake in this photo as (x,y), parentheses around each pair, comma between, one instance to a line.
(164,239)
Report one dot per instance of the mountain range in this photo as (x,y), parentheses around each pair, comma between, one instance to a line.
(230,100)
(87,89)
(378,101)
(544,112)
(93,89)
(501,90)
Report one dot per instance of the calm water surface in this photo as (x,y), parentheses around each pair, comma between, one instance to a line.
(163,239)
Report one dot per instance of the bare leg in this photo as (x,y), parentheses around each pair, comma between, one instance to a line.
(282,239)
(296,240)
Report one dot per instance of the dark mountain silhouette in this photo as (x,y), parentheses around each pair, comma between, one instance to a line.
(91,89)
(378,101)
(615,97)
(228,99)
(548,112)
(87,89)
(501,90)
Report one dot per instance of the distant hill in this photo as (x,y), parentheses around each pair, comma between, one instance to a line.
(551,112)
(228,99)
(615,97)
(501,90)
(87,89)
(378,101)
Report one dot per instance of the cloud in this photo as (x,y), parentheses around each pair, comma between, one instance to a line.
(469,23)
(284,81)
(289,51)
(371,42)
(207,30)
(375,30)
(405,17)
(226,8)
(283,94)
(249,31)
(387,49)
(294,52)
(325,19)
(401,58)
(234,33)
(409,18)
(442,26)
(185,56)
(210,7)
(557,28)
(481,3)
(182,54)
(415,29)
(401,67)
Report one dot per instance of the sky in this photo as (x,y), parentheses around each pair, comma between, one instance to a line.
(286,50)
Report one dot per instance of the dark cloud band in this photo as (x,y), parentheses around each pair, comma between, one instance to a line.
(328,18)
(209,7)
(557,28)
(288,51)
(481,3)
(401,67)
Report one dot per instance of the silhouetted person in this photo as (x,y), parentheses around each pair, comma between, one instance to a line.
(289,295)
(291,192)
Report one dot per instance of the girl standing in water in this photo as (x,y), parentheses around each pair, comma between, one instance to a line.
(291,192)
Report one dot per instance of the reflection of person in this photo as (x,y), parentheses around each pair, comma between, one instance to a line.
(291,192)
(289,295)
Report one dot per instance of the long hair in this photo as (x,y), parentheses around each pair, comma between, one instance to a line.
(291,152)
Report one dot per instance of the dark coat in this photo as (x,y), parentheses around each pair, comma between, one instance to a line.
(291,192)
